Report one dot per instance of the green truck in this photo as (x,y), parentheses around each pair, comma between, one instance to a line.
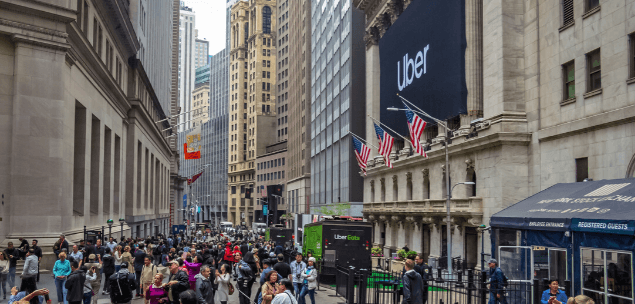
(342,240)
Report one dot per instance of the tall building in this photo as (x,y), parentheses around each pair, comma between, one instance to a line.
(200,105)
(282,77)
(299,145)
(252,100)
(82,145)
(218,144)
(201,53)
(337,102)
(187,66)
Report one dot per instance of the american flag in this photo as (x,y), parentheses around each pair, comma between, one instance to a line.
(416,125)
(385,144)
(362,152)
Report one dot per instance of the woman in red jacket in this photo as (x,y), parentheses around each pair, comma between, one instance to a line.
(229,255)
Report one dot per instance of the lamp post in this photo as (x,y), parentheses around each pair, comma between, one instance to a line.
(267,220)
(121,221)
(109,222)
(483,228)
(447,175)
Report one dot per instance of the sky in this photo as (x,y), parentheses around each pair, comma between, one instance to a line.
(210,22)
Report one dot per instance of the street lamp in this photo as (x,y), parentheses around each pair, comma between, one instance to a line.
(483,228)
(121,221)
(109,222)
(447,173)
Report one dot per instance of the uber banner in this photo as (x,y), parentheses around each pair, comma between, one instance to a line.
(422,57)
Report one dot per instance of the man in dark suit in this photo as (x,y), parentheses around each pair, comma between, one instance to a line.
(425,271)
(139,258)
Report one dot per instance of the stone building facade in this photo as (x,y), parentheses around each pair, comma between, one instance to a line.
(78,123)
(252,98)
(554,91)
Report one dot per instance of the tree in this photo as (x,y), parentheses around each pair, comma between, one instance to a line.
(335,209)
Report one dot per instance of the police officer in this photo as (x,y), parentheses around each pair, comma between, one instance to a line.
(426,274)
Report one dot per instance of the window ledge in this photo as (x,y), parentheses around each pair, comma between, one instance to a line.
(591,12)
(630,80)
(566,26)
(593,93)
(568,101)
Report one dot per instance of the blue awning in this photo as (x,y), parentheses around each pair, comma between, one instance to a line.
(606,206)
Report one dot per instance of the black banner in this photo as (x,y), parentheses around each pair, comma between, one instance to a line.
(422,58)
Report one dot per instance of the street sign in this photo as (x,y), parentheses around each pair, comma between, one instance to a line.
(184,201)
(264,209)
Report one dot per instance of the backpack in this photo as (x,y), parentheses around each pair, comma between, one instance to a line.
(122,287)
(505,280)
(155,250)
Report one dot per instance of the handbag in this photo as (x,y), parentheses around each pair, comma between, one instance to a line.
(230,287)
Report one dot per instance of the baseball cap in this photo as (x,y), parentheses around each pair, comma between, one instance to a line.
(491,261)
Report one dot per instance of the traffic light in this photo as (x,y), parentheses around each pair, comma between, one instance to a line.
(248,192)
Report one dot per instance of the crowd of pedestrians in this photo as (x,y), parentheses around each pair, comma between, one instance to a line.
(203,269)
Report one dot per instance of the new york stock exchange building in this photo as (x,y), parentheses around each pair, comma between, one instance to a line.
(534,94)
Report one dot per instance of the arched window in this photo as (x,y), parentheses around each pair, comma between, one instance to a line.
(266,20)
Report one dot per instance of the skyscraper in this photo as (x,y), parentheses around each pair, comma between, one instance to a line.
(337,101)
(252,99)
(187,70)
(282,61)
(201,52)
(299,145)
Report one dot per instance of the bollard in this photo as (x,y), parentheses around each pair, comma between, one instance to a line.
(483,288)
(537,292)
(567,288)
(470,285)
(350,286)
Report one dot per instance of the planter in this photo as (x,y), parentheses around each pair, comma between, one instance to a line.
(375,261)
(397,265)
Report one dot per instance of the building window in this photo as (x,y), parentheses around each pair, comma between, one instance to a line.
(568,75)
(266,20)
(594,71)
(581,169)
(591,4)
(567,12)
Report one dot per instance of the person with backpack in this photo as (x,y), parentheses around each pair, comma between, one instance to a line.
(75,284)
(122,285)
(497,282)
(156,253)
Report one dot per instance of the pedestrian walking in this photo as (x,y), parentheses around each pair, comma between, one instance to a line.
(75,284)
(61,270)
(139,258)
(270,288)
(155,293)
(222,279)
(204,287)
(94,267)
(38,252)
(496,282)
(193,268)
(283,269)
(122,285)
(117,255)
(285,293)
(297,268)
(178,282)
(147,275)
(28,292)
(553,295)
(126,257)
(310,282)
(108,268)
(4,273)
(91,276)
(244,276)
(76,255)
(30,263)
(13,255)
(412,285)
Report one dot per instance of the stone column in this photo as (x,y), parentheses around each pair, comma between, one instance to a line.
(435,240)
(372,81)
(473,60)
(416,234)
(38,154)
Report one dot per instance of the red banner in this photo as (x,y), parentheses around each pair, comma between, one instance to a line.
(194,178)
(195,155)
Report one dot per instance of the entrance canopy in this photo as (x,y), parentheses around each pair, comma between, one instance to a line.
(606,206)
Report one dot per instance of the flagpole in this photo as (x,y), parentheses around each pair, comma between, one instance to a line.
(421,111)
(407,139)
(364,141)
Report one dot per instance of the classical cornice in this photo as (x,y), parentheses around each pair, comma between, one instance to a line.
(49,44)
(33,28)
(41,9)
